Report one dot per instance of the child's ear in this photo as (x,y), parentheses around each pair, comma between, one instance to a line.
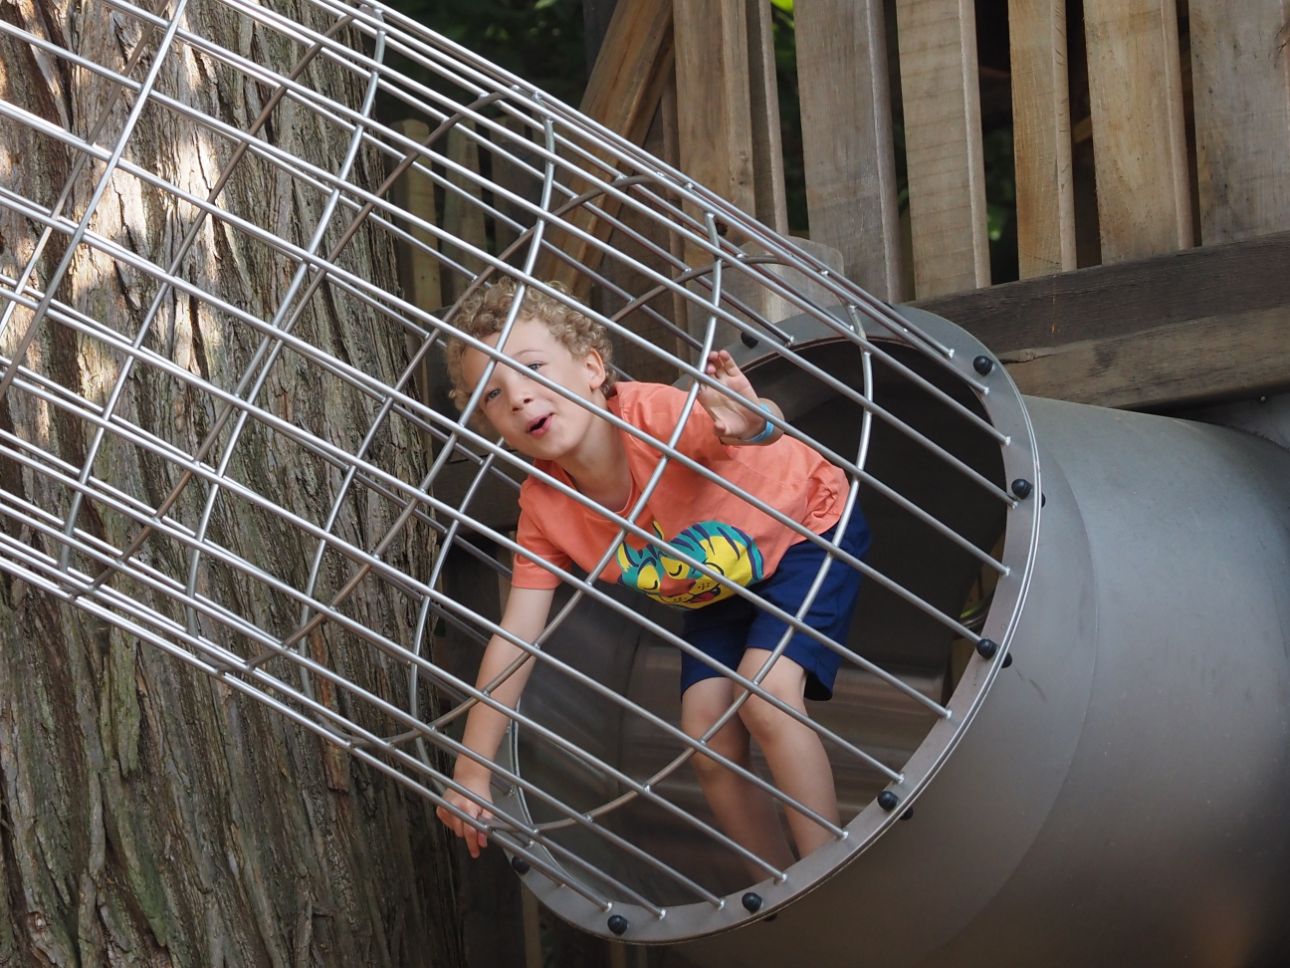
(595,365)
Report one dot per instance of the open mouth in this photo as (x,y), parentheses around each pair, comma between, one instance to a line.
(539,426)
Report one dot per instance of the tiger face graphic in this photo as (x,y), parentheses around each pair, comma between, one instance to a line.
(725,549)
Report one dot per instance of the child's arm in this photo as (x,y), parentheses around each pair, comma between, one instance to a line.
(736,423)
(524,617)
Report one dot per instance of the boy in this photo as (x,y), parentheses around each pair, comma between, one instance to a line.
(607,465)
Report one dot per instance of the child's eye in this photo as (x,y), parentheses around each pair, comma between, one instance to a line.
(535,366)
(491,394)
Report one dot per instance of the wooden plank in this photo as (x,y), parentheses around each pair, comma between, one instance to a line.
(1139,139)
(850,168)
(1231,356)
(1106,301)
(944,159)
(419,265)
(1067,330)
(714,108)
(414,193)
(463,213)
(713,118)
(771,201)
(1241,91)
(1041,132)
(622,93)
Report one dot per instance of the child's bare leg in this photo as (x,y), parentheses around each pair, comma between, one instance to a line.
(793,750)
(744,813)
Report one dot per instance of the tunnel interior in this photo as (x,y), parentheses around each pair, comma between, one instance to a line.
(886,629)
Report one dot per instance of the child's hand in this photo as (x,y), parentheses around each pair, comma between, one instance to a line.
(735,421)
(476,840)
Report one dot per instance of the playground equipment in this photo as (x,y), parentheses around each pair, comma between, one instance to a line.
(1060,729)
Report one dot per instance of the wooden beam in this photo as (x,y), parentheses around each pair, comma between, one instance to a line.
(623,94)
(1152,333)
(943,152)
(1139,139)
(1230,356)
(847,147)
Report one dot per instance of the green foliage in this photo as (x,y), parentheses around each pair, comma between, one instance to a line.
(790,114)
(541,41)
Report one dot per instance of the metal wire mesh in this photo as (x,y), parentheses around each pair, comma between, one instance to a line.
(468,174)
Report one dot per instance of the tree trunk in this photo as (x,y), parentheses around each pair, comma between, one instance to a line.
(151,815)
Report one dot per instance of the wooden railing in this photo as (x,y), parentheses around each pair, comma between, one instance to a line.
(1144,132)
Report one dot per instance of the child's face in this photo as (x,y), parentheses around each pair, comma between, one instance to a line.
(533,419)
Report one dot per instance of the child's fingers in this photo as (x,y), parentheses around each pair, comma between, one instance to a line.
(477,839)
(720,361)
(474,839)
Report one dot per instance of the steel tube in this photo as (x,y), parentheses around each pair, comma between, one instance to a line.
(1120,796)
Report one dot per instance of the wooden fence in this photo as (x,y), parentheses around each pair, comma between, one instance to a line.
(1152,190)
(1151,158)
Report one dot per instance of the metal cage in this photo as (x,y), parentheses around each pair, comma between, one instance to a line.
(469,174)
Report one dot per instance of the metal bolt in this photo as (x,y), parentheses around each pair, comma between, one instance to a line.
(519,864)
(986,648)
(1022,488)
(752,902)
(983,365)
(617,923)
(888,800)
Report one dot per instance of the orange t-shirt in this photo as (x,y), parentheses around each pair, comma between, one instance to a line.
(697,516)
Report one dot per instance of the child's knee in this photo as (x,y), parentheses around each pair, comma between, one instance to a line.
(784,682)
(762,718)
(730,742)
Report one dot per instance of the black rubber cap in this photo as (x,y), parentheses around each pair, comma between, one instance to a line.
(617,924)
(888,800)
(752,902)
(1022,488)
(986,648)
(519,864)
(983,365)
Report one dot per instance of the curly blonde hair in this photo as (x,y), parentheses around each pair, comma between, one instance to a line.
(483,313)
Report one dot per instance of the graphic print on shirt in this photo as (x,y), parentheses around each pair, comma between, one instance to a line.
(722,547)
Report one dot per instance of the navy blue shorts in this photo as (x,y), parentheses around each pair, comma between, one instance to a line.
(725,629)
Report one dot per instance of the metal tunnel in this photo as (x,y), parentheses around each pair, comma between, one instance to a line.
(1060,733)
(1118,793)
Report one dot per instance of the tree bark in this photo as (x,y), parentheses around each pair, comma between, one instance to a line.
(150,815)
